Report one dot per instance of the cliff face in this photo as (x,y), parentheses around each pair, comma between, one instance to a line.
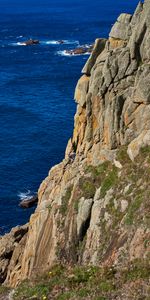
(93,207)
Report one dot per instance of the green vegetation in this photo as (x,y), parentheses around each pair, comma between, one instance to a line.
(99,283)
(94,283)
(137,270)
(38,291)
(134,206)
(4,290)
(65,200)
(49,207)
(87,187)
(109,181)
(98,170)
(122,156)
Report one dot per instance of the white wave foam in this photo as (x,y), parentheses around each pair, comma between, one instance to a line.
(18,44)
(19,37)
(25,195)
(60,42)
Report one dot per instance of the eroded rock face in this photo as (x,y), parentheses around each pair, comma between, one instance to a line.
(73,221)
(8,245)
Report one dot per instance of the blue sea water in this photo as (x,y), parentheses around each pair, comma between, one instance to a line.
(37,86)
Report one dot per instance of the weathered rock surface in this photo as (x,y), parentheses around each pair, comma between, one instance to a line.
(91,211)
(30,42)
(80,50)
(98,48)
(8,245)
(26,203)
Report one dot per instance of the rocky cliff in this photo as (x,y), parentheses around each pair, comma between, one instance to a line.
(93,207)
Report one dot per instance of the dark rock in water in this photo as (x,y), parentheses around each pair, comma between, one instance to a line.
(29,202)
(80,50)
(31,42)
(60,42)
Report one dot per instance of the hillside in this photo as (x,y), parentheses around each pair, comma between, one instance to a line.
(93,208)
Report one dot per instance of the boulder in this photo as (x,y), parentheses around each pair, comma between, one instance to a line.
(30,42)
(60,42)
(29,202)
(81,90)
(121,29)
(80,50)
(98,48)
(7,245)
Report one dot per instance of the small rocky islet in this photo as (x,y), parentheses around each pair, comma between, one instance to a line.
(90,232)
(76,51)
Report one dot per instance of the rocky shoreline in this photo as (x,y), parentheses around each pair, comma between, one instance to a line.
(93,209)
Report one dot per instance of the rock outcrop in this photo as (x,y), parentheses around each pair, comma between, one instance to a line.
(30,42)
(93,206)
(29,202)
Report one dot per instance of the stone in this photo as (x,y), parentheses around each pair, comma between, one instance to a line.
(82,90)
(117,164)
(121,29)
(27,203)
(124,205)
(141,141)
(61,42)
(137,13)
(83,217)
(30,42)
(141,93)
(98,48)
(80,50)
(116,43)
(8,243)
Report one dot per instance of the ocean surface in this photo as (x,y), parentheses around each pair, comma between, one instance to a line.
(37,87)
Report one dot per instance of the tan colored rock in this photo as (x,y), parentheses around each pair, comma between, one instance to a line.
(116,43)
(141,141)
(8,244)
(98,48)
(81,90)
(113,110)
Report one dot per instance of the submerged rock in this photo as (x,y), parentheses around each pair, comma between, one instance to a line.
(30,42)
(27,203)
(80,50)
(61,42)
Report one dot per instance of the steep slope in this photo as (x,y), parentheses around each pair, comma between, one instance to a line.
(93,207)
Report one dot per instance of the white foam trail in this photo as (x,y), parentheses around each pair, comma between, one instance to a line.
(65,53)
(18,44)
(60,42)
(19,37)
(25,195)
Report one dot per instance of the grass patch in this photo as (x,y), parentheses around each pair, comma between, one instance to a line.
(122,155)
(4,290)
(87,187)
(106,286)
(65,200)
(145,150)
(26,291)
(65,296)
(137,270)
(110,180)
(134,206)
(94,283)
(98,170)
